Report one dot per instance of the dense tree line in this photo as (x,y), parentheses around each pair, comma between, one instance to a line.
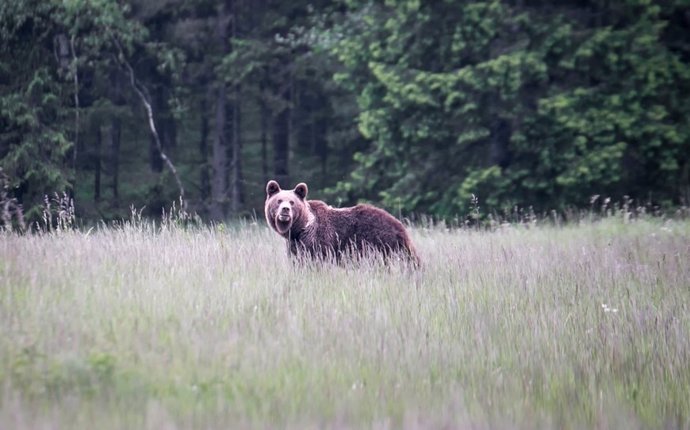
(416,105)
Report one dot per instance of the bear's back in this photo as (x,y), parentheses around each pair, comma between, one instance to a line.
(360,225)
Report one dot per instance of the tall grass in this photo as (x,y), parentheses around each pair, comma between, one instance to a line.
(136,327)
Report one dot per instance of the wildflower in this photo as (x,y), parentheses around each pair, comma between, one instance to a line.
(607,308)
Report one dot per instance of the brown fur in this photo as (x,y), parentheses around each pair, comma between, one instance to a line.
(313,228)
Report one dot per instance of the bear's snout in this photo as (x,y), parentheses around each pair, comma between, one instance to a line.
(284,213)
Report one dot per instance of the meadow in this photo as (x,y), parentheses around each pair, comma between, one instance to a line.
(585,325)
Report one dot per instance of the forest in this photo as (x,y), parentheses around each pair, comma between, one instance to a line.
(422,107)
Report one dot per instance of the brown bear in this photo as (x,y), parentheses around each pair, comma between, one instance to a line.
(315,229)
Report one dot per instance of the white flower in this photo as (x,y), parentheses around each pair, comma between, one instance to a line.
(607,308)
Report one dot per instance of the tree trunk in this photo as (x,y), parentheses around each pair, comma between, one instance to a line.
(75,79)
(219,163)
(97,166)
(237,197)
(113,136)
(264,113)
(237,189)
(219,150)
(114,131)
(499,143)
(203,149)
(258,12)
(312,124)
(281,141)
(155,160)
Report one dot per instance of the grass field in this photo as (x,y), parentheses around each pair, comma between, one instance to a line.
(583,326)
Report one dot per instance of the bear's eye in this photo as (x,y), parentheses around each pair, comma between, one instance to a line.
(280,201)
(292,203)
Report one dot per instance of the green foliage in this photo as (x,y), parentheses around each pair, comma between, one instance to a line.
(515,105)
(45,45)
(33,111)
(416,105)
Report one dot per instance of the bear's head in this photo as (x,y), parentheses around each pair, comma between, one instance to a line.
(286,210)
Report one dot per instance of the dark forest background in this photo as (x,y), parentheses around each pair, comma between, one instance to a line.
(413,105)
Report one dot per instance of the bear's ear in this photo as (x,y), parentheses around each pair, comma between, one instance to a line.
(301,190)
(272,188)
